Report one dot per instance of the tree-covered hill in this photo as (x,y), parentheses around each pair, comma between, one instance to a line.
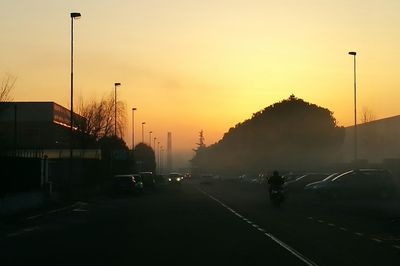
(288,135)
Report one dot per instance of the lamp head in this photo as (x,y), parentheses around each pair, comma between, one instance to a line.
(117,84)
(352,53)
(75,15)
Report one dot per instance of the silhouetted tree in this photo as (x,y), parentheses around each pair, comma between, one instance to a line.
(367,115)
(198,160)
(145,158)
(100,116)
(6,86)
(291,134)
(108,145)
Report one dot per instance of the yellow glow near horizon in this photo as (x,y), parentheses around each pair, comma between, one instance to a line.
(192,65)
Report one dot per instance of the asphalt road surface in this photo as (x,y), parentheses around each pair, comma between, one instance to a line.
(203,223)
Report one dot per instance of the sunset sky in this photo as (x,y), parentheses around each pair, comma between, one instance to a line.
(208,64)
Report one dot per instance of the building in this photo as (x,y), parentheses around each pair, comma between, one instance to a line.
(378,141)
(36,125)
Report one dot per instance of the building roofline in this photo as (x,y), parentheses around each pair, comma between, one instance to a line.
(390,118)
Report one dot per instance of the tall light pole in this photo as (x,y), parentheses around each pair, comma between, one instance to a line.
(150,137)
(74,16)
(143,123)
(117,84)
(133,127)
(162,159)
(158,155)
(154,145)
(355,106)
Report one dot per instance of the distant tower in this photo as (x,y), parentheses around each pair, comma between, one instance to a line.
(169,151)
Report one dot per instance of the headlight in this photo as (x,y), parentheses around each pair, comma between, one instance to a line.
(178,179)
(169,179)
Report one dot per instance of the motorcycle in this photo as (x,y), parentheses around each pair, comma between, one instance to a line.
(276,196)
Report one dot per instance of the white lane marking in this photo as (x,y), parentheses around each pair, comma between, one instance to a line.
(344,229)
(20,232)
(376,240)
(270,236)
(321,221)
(310,218)
(396,246)
(331,224)
(63,208)
(79,210)
(358,234)
(34,217)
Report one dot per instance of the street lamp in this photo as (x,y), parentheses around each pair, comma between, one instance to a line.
(74,16)
(355,106)
(117,84)
(154,144)
(133,127)
(150,137)
(158,154)
(143,123)
(161,159)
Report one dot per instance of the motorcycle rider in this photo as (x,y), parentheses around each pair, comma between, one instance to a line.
(275,182)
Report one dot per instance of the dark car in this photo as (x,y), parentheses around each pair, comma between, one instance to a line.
(149,181)
(360,184)
(316,185)
(123,184)
(300,182)
(138,183)
(175,178)
(291,176)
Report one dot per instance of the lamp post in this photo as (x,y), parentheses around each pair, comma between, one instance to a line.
(161,159)
(158,155)
(143,123)
(150,137)
(74,16)
(133,127)
(355,106)
(154,144)
(117,84)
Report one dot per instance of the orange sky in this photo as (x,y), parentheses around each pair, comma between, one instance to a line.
(190,65)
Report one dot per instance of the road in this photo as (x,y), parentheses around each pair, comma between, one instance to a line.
(202,223)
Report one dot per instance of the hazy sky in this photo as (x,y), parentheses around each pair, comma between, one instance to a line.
(190,65)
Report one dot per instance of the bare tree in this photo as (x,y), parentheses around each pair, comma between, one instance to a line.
(100,117)
(7,84)
(367,115)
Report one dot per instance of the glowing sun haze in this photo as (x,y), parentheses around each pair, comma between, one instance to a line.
(191,65)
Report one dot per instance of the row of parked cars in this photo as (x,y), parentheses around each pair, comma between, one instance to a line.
(352,184)
(137,183)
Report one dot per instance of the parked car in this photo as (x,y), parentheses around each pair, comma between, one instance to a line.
(360,184)
(149,181)
(123,184)
(139,186)
(291,176)
(175,178)
(316,185)
(300,182)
